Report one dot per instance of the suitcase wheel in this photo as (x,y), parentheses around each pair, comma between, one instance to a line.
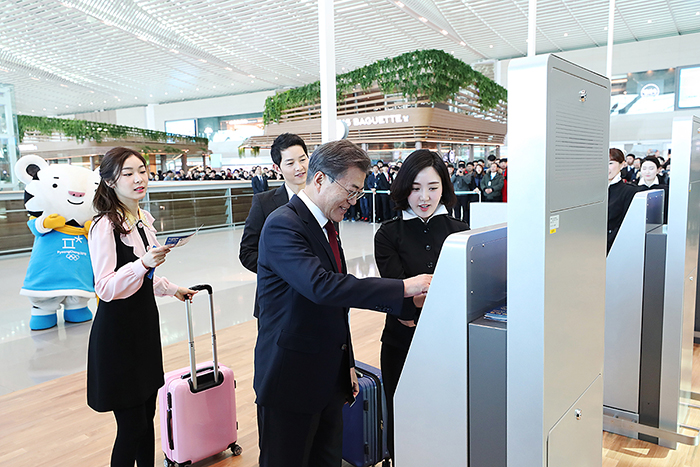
(168,463)
(235,449)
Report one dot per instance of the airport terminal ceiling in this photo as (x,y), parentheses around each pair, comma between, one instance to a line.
(76,56)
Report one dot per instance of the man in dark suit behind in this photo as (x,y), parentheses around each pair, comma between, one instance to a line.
(289,156)
(304,365)
(259,181)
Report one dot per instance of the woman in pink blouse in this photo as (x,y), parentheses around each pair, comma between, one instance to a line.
(125,362)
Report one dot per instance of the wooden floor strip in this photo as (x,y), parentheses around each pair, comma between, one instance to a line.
(50,424)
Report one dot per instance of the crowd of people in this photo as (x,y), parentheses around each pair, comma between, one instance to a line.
(207,173)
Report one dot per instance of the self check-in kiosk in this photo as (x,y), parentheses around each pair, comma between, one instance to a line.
(473,392)
(650,306)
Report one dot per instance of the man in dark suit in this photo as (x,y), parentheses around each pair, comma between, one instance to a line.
(259,181)
(304,365)
(383,200)
(289,157)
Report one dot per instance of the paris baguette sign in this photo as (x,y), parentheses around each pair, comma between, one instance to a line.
(373,121)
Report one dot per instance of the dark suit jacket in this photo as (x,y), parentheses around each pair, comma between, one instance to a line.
(262,206)
(259,186)
(496,185)
(304,343)
(382,183)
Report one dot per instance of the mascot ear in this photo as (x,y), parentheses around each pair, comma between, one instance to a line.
(27,168)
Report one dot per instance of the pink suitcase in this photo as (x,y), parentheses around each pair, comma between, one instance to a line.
(198,415)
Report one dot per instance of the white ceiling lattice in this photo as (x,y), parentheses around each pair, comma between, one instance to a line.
(75,56)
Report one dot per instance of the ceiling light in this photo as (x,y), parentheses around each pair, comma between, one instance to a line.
(174,51)
(214,87)
(135,97)
(491,46)
(35,78)
(181,90)
(251,76)
(197,89)
(605,28)
(228,68)
(79,105)
(444,33)
(275,77)
(462,43)
(202,60)
(422,19)
(150,95)
(90,104)
(297,74)
(648,21)
(45,108)
(399,4)
(66,107)
(63,85)
(166,93)
(566,34)
(56,108)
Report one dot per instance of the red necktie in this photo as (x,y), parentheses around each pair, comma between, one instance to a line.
(333,240)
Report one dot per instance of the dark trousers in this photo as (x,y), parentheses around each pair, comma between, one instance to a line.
(392,360)
(384,207)
(292,439)
(461,209)
(135,440)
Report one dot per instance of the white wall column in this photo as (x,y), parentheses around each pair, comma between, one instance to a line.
(326,37)
(611,29)
(151,118)
(531,28)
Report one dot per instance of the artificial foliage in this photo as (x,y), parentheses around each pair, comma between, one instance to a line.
(434,74)
(83,130)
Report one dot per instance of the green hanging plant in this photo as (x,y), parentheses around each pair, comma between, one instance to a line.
(84,130)
(431,73)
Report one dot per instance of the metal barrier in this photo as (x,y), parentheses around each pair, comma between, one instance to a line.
(177,207)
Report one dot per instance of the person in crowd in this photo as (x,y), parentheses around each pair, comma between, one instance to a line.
(259,181)
(628,166)
(303,338)
(475,184)
(450,169)
(620,194)
(649,180)
(423,192)
(632,173)
(492,185)
(371,184)
(125,364)
(383,184)
(470,168)
(289,157)
(503,170)
(461,182)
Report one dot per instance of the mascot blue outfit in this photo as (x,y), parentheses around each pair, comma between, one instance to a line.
(59,199)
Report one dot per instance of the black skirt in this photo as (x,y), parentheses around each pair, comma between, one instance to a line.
(125,360)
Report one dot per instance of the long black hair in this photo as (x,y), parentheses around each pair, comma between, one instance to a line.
(414,163)
(106,202)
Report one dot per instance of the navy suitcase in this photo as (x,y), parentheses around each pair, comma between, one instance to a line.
(364,438)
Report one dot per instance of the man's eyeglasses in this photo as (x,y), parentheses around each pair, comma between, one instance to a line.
(352,195)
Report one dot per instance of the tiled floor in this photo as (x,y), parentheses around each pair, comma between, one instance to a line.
(31,357)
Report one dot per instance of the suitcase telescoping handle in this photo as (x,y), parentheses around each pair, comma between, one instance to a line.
(190,334)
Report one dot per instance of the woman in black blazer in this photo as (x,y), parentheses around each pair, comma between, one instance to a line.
(410,244)
(620,194)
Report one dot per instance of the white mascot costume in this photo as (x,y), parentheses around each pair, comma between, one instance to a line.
(59,199)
